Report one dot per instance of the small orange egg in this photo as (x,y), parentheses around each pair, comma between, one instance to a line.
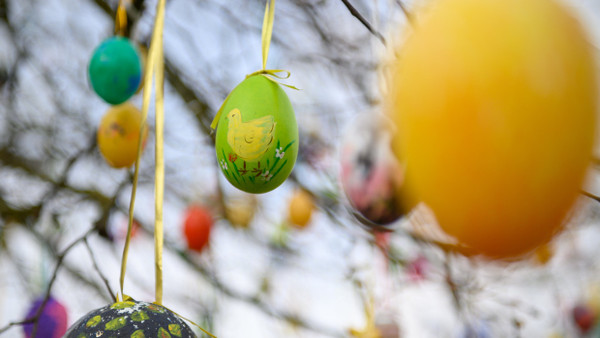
(301,208)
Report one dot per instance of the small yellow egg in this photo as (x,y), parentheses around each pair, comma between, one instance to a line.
(118,135)
(301,208)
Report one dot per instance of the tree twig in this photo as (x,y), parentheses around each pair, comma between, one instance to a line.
(590,195)
(59,260)
(95,264)
(407,14)
(364,21)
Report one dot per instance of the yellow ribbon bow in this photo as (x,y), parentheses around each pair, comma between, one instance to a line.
(270,74)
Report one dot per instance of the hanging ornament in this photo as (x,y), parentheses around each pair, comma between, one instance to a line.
(495,126)
(593,298)
(196,228)
(240,211)
(115,70)
(52,322)
(300,208)
(371,176)
(584,317)
(257,134)
(118,135)
(118,230)
(387,328)
(130,319)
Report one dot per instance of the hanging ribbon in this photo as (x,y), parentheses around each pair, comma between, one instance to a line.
(270,74)
(159,180)
(370,330)
(154,68)
(154,63)
(267,31)
(121,19)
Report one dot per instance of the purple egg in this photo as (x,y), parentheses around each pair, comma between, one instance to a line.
(52,322)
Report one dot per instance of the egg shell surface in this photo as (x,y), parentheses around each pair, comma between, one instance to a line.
(495,103)
(115,70)
(130,319)
(52,322)
(118,135)
(257,136)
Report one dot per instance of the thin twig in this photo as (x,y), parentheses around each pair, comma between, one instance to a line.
(452,284)
(59,260)
(95,264)
(590,195)
(254,300)
(364,21)
(407,14)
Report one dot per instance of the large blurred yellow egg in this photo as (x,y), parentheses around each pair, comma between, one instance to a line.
(495,103)
(118,135)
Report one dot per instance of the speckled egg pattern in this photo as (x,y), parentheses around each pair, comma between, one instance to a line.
(130,319)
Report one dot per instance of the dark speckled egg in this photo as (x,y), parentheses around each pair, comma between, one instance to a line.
(130,319)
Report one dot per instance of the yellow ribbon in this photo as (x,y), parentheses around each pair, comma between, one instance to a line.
(121,19)
(159,180)
(370,330)
(154,63)
(267,31)
(145,104)
(270,74)
(154,67)
(191,322)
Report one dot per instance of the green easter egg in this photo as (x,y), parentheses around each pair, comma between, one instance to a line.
(257,136)
(115,70)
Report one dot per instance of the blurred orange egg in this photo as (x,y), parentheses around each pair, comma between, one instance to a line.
(301,208)
(495,105)
(118,135)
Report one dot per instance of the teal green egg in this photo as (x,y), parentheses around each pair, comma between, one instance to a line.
(131,319)
(115,70)
(257,136)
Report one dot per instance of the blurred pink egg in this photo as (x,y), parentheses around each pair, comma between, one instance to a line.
(371,176)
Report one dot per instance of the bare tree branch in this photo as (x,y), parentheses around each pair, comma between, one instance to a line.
(364,21)
(97,268)
(59,261)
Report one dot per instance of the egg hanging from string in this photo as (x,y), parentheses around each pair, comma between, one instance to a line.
(370,175)
(257,136)
(495,126)
(196,227)
(239,211)
(300,209)
(115,70)
(52,322)
(130,319)
(118,135)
